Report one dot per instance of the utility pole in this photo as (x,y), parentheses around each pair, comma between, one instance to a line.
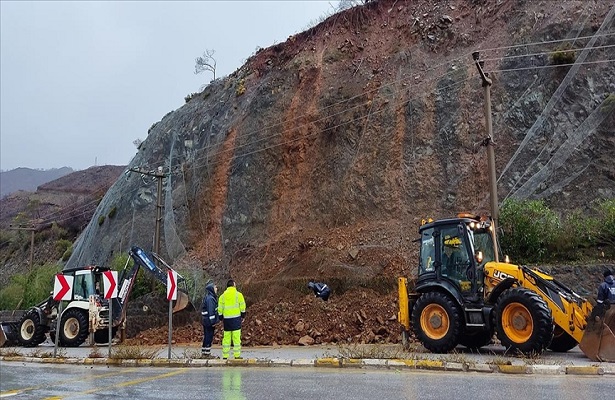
(31,229)
(159,175)
(490,144)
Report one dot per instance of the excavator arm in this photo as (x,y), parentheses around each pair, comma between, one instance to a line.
(145,260)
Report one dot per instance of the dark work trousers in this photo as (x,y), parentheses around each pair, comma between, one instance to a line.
(208,338)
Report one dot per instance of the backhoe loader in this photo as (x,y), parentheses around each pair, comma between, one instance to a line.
(87,313)
(463,296)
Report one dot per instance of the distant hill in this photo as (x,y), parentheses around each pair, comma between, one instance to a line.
(28,179)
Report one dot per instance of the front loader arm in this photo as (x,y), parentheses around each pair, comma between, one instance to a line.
(569,310)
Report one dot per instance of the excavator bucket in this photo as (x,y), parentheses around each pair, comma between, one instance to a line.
(598,341)
(3,335)
(182,302)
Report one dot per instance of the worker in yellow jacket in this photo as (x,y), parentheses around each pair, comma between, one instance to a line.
(232,310)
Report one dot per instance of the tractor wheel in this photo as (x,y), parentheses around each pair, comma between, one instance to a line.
(436,320)
(30,332)
(562,341)
(73,327)
(523,321)
(102,335)
(476,340)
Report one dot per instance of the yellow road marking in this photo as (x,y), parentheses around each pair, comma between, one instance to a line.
(13,392)
(121,384)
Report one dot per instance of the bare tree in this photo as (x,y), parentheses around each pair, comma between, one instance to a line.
(206,62)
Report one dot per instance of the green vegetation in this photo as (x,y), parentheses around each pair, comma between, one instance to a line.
(563,55)
(101,220)
(26,290)
(241,88)
(112,212)
(532,232)
(67,253)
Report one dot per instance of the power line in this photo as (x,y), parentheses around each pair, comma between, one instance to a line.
(365,93)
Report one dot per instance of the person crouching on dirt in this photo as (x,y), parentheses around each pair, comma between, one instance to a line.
(232,311)
(320,290)
(606,290)
(209,317)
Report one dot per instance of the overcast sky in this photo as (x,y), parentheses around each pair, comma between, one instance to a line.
(80,81)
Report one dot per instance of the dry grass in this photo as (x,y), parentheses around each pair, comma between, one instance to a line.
(455,357)
(9,353)
(133,353)
(39,353)
(367,351)
(95,353)
(499,360)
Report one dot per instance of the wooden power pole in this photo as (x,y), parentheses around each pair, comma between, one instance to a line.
(31,229)
(490,144)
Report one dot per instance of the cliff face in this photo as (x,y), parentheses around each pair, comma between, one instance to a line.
(319,156)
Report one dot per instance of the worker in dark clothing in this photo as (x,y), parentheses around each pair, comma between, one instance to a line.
(606,290)
(209,317)
(320,290)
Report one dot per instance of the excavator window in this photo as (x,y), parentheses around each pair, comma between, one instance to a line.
(428,252)
(455,262)
(83,285)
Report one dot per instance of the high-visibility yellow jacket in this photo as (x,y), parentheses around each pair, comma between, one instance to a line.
(231,308)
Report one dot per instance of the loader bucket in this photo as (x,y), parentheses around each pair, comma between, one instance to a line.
(182,302)
(598,341)
(8,336)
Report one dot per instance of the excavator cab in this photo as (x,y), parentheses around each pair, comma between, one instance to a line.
(453,253)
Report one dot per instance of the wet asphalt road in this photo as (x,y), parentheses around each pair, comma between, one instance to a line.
(40,381)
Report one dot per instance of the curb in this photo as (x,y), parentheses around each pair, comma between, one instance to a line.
(330,362)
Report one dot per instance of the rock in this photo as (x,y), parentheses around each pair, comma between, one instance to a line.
(382,331)
(353,253)
(300,326)
(306,340)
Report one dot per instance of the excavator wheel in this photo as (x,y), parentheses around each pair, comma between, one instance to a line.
(523,321)
(30,332)
(73,327)
(562,341)
(476,340)
(436,320)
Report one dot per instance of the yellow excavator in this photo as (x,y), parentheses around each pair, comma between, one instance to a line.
(463,296)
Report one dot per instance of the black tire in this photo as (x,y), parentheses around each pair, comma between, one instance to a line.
(562,341)
(523,321)
(437,322)
(476,340)
(102,335)
(73,327)
(30,332)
